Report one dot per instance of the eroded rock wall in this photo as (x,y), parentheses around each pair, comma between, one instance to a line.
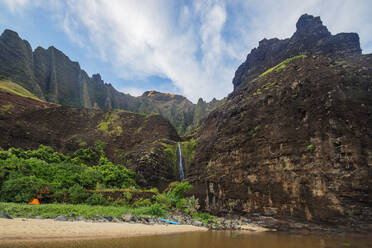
(294,141)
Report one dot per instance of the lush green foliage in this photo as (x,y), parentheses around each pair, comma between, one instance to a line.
(96,199)
(58,178)
(170,151)
(21,189)
(174,197)
(79,178)
(203,217)
(157,210)
(282,64)
(188,151)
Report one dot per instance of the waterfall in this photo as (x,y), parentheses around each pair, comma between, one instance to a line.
(180,165)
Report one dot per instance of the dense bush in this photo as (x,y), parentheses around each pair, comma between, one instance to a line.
(21,189)
(57,177)
(157,210)
(174,196)
(77,194)
(26,174)
(96,199)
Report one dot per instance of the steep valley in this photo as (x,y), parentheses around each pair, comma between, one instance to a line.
(292,141)
(50,75)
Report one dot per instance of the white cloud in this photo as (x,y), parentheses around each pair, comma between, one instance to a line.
(132,91)
(16,6)
(197,45)
(144,38)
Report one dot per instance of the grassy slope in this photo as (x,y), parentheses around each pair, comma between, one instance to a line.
(282,64)
(53,210)
(9,86)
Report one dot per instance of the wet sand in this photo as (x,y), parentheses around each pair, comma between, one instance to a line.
(35,229)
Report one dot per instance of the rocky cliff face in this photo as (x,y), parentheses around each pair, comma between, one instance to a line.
(182,113)
(52,76)
(294,138)
(16,61)
(311,38)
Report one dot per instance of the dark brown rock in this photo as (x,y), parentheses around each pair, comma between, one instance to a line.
(134,140)
(311,38)
(294,142)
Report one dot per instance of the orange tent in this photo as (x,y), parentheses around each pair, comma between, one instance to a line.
(34,202)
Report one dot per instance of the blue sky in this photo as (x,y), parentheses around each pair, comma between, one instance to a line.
(186,47)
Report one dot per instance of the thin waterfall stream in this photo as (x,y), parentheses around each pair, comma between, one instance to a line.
(180,165)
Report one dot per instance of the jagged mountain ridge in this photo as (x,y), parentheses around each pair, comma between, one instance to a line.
(52,76)
(293,139)
(311,37)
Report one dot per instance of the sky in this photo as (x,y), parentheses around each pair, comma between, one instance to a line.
(186,47)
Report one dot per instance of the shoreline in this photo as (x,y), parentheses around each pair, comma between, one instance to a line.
(14,230)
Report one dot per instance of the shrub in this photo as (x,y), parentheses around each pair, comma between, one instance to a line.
(46,154)
(86,156)
(174,196)
(127,196)
(77,194)
(96,199)
(115,175)
(203,217)
(157,210)
(61,195)
(63,179)
(22,189)
(179,189)
(310,147)
(141,203)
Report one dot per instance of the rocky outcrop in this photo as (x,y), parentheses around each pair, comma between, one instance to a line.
(294,138)
(311,38)
(52,76)
(16,61)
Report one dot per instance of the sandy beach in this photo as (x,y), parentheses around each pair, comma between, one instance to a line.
(33,229)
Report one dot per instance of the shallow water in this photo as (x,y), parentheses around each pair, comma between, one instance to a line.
(215,239)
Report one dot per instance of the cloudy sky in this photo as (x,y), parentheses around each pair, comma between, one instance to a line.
(186,47)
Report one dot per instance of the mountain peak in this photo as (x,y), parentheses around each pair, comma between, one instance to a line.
(310,38)
(308,25)
(10,33)
(159,96)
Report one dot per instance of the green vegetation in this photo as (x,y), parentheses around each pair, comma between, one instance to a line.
(108,119)
(188,151)
(254,131)
(82,143)
(266,86)
(87,211)
(58,178)
(7,108)
(203,217)
(282,65)
(310,147)
(174,197)
(9,86)
(85,177)
(170,152)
